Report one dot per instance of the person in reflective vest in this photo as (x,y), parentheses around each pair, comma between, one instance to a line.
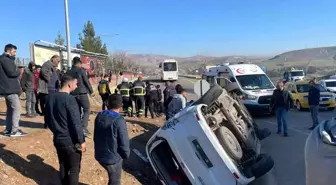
(124,89)
(139,93)
(151,99)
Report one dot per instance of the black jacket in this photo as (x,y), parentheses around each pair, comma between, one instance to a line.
(314,96)
(9,76)
(27,80)
(168,94)
(151,93)
(281,99)
(63,118)
(83,84)
(110,138)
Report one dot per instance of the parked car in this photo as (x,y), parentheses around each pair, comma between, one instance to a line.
(213,141)
(299,91)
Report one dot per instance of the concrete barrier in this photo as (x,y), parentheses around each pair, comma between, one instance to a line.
(191,76)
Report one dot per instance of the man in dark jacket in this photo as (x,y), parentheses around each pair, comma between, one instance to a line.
(63,118)
(10,90)
(48,80)
(111,140)
(151,99)
(81,93)
(27,85)
(314,101)
(168,94)
(281,102)
(159,107)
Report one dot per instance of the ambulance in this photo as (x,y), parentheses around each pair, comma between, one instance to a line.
(253,85)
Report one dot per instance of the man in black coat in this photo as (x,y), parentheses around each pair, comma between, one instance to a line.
(10,90)
(81,93)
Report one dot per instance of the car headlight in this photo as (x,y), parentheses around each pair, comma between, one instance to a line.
(249,97)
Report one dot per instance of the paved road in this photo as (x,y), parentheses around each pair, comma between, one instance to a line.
(288,153)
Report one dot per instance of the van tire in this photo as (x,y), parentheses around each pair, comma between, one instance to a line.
(264,163)
(229,142)
(210,96)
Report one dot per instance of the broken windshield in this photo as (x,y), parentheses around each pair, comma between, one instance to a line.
(254,82)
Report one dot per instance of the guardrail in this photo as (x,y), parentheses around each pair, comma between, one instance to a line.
(191,76)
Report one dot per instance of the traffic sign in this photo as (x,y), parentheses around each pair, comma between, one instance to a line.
(201,87)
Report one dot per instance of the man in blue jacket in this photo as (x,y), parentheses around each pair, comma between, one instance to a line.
(314,101)
(111,140)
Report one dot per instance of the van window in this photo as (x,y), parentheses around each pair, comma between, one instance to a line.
(211,80)
(330,84)
(167,165)
(254,82)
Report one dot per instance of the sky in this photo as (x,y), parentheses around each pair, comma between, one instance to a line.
(176,27)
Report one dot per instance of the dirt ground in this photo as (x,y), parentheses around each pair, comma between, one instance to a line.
(33,160)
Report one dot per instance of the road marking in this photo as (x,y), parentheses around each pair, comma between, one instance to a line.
(289,128)
(186,79)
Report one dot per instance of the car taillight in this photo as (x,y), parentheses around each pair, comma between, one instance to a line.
(197,117)
(235,175)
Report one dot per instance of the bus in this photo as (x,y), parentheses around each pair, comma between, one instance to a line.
(169,70)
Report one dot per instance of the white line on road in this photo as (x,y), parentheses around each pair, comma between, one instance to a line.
(289,128)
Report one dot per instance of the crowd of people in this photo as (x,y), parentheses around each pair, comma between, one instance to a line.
(63,99)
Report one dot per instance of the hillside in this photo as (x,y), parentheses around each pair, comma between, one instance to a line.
(323,59)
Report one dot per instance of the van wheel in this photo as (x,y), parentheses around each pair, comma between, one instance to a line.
(236,124)
(264,163)
(210,96)
(229,142)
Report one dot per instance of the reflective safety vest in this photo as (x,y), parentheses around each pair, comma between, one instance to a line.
(139,91)
(125,92)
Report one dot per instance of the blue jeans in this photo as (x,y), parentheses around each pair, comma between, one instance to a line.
(281,115)
(314,110)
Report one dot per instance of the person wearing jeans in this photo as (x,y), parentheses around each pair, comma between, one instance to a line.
(111,142)
(10,90)
(48,80)
(281,101)
(27,85)
(314,101)
(81,93)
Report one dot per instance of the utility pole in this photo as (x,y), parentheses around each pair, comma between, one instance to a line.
(67,27)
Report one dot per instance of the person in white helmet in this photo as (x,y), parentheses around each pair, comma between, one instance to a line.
(124,89)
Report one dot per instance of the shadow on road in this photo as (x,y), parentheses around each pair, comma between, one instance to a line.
(135,165)
(33,168)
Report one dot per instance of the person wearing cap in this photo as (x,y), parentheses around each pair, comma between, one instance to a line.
(124,88)
(178,102)
(314,101)
(139,93)
(104,90)
(111,141)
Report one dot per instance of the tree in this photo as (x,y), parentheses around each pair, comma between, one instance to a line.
(59,39)
(89,41)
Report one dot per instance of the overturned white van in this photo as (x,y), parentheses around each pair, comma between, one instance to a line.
(211,142)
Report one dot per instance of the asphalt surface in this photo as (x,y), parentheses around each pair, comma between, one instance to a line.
(287,152)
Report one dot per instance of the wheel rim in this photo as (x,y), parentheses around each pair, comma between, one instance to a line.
(232,143)
(298,106)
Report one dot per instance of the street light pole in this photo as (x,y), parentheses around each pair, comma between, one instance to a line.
(67,27)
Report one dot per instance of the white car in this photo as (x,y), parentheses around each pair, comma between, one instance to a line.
(211,142)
